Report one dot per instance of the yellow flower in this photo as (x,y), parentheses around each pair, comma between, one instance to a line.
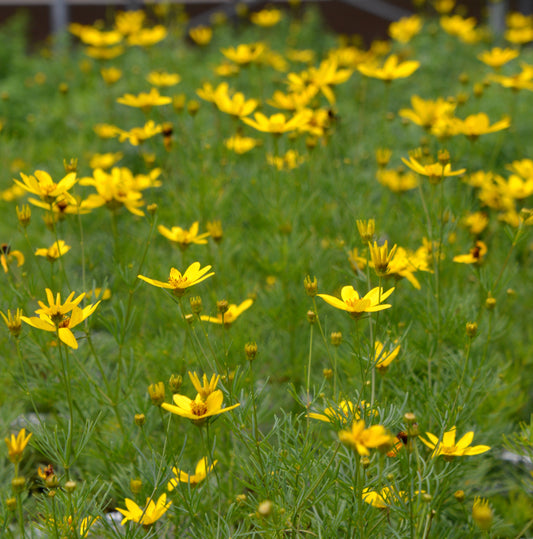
(6,254)
(449,449)
(205,387)
(137,135)
(111,74)
(53,317)
(464,29)
(475,256)
(240,144)
(362,439)
(381,256)
(397,181)
(226,69)
(97,38)
(179,283)
(291,160)
(233,312)
(266,17)
(200,473)
(201,35)
(383,499)
(236,105)
(13,322)
(392,69)
(497,57)
(57,249)
(341,413)
(105,160)
(129,22)
(182,236)
(294,100)
(244,54)
(405,29)
(210,94)
(104,53)
(199,409)
(479,124)
(426,113)
(482,513)
(384,358)
(434,171)
(476,222)
(161,78)
(147,515)
(443,6)
(16,445)
(63,206)
(106,130)
(144,101)
(43,186)
(277,123)
(146,37)
(355,305)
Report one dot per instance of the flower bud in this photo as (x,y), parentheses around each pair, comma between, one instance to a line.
(265,508)
(459,495)
(482,514)
(139,419)
(222,306)
(250,349)
(24,215)
(471,329)
(11,504)
(157,393)
(70,486)
(18,484)
(328,374)
(196,304)
(193,107)
(336,338)
(136,485)
(490,303)
(311,317)
(175,382)
(71,166)
(311,286)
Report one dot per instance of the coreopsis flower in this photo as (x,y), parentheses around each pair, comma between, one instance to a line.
(449,448)
(61,318)
(215,230)
(98,38)
(266,17)
(381,256)
(366,229)
(236,105)
(16,445)
(476,222)
(226,69)
(146,516)
(244,54)
(104,53)
(517,82)
(383,499)
(106,130)
(475,256)
(293,100)
(210,94)
(397,181)
(228,317)
(63,206)
(137,135)
(405,29)
(240,144)
(114,190)
(145,101)
(479,124)
(13,322)
(200,473)
(482,513)
(57,249)
(44,187)
(363,439)
(321,78)
(341,413)
(111,75)
(201,35)
(355,305)
(199,409)
(443,6)
(206,386)
(6,255)
(291,160)
(183,237)
(162,78)
(179,283)
(383,357)
(129,22)
(277,124)
(392,69)
(426,112)
(146,37)
(105,160)
(519,35)
(464,29)
(434,171)
(497,57)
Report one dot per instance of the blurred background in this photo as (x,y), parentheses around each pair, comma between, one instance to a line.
(368,18)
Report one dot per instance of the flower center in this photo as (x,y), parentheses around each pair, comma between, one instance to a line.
(198,408)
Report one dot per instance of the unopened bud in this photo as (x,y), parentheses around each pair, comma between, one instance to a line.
(222,306)
(175,382)
(311,317)
(471,329)
(70,486)
(264,509)
(139,419)
(157,393)
(196,304)
(136,485)
(250,349)
(459,495)
(18,483)
(336,338)
(311,286)
(490,303)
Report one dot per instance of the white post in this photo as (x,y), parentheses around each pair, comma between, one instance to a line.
(497,12)
(59,16)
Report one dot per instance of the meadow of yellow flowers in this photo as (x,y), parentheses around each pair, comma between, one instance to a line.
(260,280)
